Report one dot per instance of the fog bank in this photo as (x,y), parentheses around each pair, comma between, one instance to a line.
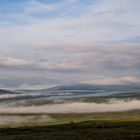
(23,120)
(75,107)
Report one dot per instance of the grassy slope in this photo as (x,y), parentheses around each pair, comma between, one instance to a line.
(78,131)
(101,126)
(36,119)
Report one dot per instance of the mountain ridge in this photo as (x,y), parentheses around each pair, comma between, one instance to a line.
(83,87)
(4,91)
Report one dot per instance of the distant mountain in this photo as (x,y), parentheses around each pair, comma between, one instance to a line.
(73,87)
(85,87)
(2,91)
(77,92)
(92,87)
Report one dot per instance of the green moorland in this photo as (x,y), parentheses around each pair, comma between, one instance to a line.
(84,126)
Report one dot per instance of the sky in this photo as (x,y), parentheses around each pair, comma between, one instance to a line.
(44,43)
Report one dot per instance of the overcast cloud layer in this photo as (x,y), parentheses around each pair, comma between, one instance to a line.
(54,42)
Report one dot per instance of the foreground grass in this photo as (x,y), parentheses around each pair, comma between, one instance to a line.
(89,130)
(53,119)
(92,126)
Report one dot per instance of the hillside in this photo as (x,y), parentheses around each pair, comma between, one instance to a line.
(2,91)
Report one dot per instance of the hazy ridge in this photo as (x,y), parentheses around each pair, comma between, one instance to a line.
(71,98)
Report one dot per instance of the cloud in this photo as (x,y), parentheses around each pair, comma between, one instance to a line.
(114,81)
(9,61)
(102,22)
(60,64)
(76,107)
(70,41)
(36,6)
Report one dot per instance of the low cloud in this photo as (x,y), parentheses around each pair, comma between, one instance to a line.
(76,107)
(9,61)
(61,64)
(23,120)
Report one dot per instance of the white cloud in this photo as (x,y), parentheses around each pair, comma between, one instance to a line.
(36,6)
(76,107)
(9,61)
(114,81)
(104,22)
(70,22)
